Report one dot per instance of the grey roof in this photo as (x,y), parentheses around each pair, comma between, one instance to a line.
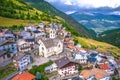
(30,40)
(2,52)
(19,56)
(36,31)
(50,42)
(62,62)
(6,42)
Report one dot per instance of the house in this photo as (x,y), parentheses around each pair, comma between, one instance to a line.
(96,55)
(5,58)
(41,25)
(51,68)
(48,47)
(61,33)
(94,74)
(8,45)
(30,40)
(5,34)
(21,61)
(118,63)
(23,46)
(38,33)
(112,63)
(24,76)
(25,34)
(66,67)
(70,45)
(29,28)
(91,60)
(106,68)
(81,58)
(81,49)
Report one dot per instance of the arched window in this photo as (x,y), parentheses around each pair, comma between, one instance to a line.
(42,48)
(59,45)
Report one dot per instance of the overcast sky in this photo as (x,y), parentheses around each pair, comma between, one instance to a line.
(89,3)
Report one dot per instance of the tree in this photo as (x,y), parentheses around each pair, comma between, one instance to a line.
(79,68)
(38,76)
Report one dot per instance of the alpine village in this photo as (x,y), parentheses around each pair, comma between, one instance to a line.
(40,46)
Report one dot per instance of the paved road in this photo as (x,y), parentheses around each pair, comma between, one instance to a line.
(10,76)
(38,61)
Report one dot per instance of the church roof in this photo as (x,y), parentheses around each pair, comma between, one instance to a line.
(50,42)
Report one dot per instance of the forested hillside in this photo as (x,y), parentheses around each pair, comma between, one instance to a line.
(111,36)
(17,9)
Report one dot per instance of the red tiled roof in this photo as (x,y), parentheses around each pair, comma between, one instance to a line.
(70,45)
(24,76)
(67,39)
(98,73)
(80,49)
(86,73)
(118,62)
(104,66)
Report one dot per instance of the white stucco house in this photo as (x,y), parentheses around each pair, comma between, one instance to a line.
(21,61)
(81,57)
(23,46)
(29,28)
(8,45)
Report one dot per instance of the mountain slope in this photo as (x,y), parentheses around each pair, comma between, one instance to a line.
(17,9)
(46,7)
(111,36)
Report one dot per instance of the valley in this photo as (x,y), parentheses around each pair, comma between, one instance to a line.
(99,22)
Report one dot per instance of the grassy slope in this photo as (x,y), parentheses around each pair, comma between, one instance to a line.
(100,46)
(9,22)
(17,9)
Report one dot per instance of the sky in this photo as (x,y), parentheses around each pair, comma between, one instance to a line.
(89,3)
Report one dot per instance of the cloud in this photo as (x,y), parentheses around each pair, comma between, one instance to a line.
(70,12)
(89,3)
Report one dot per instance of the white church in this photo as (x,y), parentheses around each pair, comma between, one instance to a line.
(50,46)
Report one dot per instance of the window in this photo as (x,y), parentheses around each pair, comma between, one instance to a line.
(4,57)
(59,45)
(42,48)
(8,55)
